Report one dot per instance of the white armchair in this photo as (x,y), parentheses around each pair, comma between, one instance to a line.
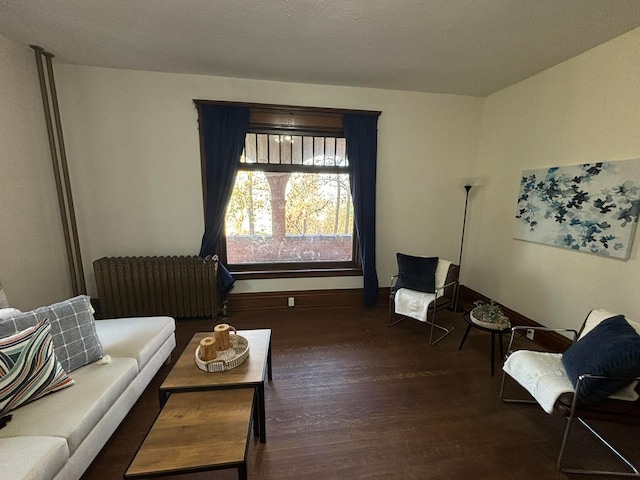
(419,290)
(595,379)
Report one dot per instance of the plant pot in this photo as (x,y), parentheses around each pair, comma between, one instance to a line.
(490,325)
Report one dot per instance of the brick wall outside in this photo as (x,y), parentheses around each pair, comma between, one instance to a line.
(307,248)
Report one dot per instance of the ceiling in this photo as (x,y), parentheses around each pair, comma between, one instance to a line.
(469,47)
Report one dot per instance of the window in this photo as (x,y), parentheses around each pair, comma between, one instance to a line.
(291,205)
(290,213)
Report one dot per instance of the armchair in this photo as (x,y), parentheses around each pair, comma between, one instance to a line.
(422,286)
(595,379)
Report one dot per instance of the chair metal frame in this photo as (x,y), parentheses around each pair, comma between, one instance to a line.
(575,414)
(431,309)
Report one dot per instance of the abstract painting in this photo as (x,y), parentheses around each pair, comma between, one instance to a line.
(590,208)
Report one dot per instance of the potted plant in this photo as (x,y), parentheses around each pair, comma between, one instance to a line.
(489,315)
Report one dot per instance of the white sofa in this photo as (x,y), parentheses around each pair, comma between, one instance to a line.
(58,436)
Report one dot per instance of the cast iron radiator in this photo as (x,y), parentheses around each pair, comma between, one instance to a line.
(180,287)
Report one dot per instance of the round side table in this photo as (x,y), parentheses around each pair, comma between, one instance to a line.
(492,331)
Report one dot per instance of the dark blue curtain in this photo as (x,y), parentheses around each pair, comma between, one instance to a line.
(223,130)
(361,132)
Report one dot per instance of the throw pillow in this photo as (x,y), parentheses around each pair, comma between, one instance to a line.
(613,349)
(4,303)
(416,273)
(73,330)
(9,312)
(28,367)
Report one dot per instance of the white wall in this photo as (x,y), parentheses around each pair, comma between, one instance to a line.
(33,265)
(132,144)
(584,110)
(133,151)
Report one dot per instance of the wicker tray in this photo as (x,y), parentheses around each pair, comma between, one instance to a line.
(226,359)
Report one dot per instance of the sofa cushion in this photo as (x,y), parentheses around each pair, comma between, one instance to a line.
(416,273)
(28,367)
(74,412)
(72,328)
(612,348)
(32,458)
(138,338)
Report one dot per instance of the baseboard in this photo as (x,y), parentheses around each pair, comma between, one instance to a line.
(238,302)
(551,341)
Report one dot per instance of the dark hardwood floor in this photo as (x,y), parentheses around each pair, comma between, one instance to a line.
(354,399)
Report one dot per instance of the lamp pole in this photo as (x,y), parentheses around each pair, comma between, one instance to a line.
(464,223)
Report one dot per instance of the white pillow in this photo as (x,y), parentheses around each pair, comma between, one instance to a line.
(9,312)
(4,303)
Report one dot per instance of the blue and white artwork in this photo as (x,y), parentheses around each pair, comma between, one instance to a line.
(590,208)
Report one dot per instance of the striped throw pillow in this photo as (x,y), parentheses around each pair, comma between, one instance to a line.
(28,367)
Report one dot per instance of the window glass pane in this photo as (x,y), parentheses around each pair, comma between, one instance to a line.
(318,151)
(296,150)
(330,151)
(262,148)
(286,147)
(250,154)
(274,149)
(307,150)
(341,152)
(276,217)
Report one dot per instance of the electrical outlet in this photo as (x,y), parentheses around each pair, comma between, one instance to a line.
(291,302)
(530,333)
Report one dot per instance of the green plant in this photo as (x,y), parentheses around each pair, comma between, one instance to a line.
(490,313)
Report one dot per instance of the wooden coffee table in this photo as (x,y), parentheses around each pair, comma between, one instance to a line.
(196,432)
(187,377)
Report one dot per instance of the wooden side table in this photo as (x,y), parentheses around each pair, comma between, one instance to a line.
(197,432)
(492,331)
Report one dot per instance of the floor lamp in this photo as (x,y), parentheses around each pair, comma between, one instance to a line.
(456,303)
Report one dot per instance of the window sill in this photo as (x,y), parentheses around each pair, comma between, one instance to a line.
(321,272)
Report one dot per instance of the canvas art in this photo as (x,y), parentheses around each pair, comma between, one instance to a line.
(590,208)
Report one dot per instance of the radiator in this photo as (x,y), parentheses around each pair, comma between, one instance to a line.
(180,287)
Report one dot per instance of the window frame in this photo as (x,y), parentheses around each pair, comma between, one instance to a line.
(290,120)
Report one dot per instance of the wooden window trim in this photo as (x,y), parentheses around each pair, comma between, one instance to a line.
(292,118)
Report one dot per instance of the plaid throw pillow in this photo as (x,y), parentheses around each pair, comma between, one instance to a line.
(73,330)
(28,367)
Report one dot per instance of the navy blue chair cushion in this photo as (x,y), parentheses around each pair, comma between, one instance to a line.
(416,273)
(612,348)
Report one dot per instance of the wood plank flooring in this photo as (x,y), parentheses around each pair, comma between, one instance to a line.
(354,399)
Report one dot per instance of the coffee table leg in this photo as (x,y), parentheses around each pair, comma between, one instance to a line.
(162,397)
(256,413)
(269,373)
(263,420)
(242,471)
